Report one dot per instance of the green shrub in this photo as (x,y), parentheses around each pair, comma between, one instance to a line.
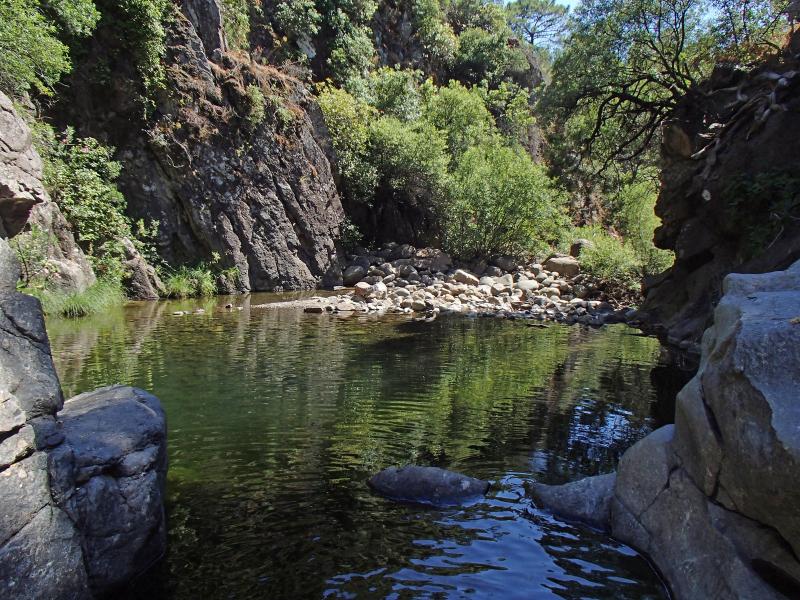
(409,158)
(485,56)
(101,296)
(438,41)
(236,21)
(191,282)
(347,119)
(298,18)
(256,104)
(501,203)
(351,53)
(31,55)
(394,92)
(31,248)
(460,112)
(609,258)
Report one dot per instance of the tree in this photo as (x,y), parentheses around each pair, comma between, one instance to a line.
(627,64)
(539,22)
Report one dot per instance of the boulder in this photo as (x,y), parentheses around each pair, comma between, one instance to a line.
(108,476)
(587,500)
(427,485)
(506,263)
(363,289)
(566,266)
(465,277)
(579,246)
(353,274)
(713,499)
(140,279)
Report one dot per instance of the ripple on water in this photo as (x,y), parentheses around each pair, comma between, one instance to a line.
(277,419)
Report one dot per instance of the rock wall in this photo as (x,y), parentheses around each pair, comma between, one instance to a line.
(731,158)
(228,162)
(713,499)
(24,203)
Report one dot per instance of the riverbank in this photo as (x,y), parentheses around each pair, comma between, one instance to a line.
(400,279)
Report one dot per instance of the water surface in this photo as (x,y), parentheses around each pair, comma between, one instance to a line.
(277,418)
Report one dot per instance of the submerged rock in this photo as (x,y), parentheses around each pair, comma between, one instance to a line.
(427,485)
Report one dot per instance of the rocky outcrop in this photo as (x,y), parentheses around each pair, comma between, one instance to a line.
(728,201)
(228,163)
(713,499)
(81,491)
(24,203)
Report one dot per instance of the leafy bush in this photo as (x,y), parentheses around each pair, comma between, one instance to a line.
(189,282)
(501,203)
(485,56)
(257,104)
(409,158)
(236,21)
(394,92)
(460,112)
(31,248)
(351,53)
(347,119)
(438,41)
(31,55)
(609,258)
(298,18)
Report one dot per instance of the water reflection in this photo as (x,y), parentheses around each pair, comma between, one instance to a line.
(277,418)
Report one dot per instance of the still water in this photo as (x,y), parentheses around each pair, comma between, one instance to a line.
(277,418)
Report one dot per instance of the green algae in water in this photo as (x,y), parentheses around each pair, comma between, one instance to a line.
(277,418)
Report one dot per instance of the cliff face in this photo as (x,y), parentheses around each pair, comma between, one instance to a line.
(25,202)
(729,200)
(228,163)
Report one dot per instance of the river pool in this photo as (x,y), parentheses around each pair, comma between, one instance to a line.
(277,418)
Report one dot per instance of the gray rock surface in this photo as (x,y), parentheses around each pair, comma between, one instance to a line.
(567,266)
(587,500)
(257,191)
(24,201)
(140,278)
(426,485)
(713,499)
(109,476)
(20,171)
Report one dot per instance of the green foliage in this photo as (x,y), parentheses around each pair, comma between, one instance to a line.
(485,56)
(347,119)
(75,18)
(101,296)
(349,235)
(609,258)
(31,248)
(409,158)
(80,175)
(351,53)
(635,218)
(761,207)
(438,41)
(31,56)
(138,25)
(460,112)
(191,282)
(236,21)
(501,203)
(393,92)
(510,104)
(297,18)
(256,104)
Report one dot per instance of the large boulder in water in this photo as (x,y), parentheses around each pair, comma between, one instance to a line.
(427,485)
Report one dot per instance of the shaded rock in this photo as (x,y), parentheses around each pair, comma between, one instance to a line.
(587,500)
(506,263)
(20,171)
(566,266)
(206,17)
(426,485)
(579,246)
(109,475)
(353,274)
(140,279)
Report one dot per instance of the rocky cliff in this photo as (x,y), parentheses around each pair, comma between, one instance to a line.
(228,162)
(25,205)
(713,499)
(729,199)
